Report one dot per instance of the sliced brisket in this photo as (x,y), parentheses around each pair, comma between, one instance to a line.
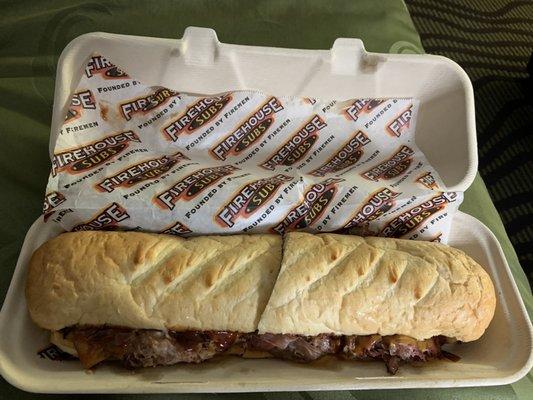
(137,348)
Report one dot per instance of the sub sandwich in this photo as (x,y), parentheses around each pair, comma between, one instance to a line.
(149,299)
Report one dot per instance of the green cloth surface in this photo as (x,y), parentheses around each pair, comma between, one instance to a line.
(33,34)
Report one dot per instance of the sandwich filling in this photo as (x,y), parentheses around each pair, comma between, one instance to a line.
(137,348)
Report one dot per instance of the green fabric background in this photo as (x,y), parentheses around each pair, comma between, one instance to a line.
(33,34)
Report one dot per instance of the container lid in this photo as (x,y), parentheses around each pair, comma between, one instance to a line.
(199,63)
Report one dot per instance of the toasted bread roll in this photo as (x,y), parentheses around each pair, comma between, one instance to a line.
(349,285)
(152,281)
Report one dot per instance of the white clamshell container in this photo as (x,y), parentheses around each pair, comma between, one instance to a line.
(502,355)
(199,63)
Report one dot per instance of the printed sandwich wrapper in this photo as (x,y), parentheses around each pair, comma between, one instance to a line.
(134,157)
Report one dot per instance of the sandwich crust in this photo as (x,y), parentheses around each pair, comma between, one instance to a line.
(328,283)
(349,285)
(152,281)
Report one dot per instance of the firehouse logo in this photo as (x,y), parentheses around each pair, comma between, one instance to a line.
(51,201)
(80,100)
(177,229)
(105,220)
(428,180)
(349,154)
(93,154)
(401,122)
(196,116)
(360,107)
(146,170)
(375,206)
(315,203)
(392,167)
(192,185)
(414,217)
(250,199)
(146,104)
(298,145)
(54,353)
(99,65)
(253,127)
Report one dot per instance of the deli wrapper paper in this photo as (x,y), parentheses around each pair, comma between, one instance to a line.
(137,157)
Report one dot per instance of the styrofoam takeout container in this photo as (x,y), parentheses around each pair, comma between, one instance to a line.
(503,354)
(198,63)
